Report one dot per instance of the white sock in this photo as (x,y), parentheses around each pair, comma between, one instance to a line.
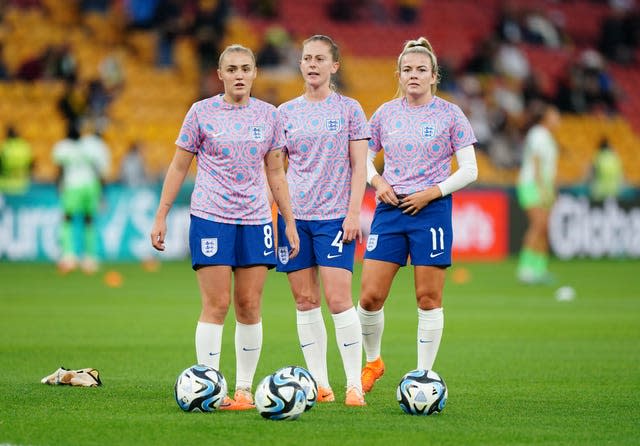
(430,326)
(248,346)
(208,344)
(372,327)
(313,342)
(349,338)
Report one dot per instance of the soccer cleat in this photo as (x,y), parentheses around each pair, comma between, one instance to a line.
(325,395)
(371,372)
(242,400)
(354,397)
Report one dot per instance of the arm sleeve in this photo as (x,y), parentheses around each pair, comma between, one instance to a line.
(467,172)
(371,168)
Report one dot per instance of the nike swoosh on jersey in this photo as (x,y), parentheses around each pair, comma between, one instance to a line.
(215,135)
(436,254)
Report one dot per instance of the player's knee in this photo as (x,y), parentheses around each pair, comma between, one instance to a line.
(429,300)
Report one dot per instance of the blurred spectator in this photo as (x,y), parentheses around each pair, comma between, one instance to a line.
(509,24)
(209,29)
(278,51)
(607,176)
(408,10)
(141,14)
(99,6)
(481,61)
(344,10)
(511,61)
(619,35)
(267,9)
(133,168)
(4,73)
(174,18)
(540,30)
(16,162)
(73,103)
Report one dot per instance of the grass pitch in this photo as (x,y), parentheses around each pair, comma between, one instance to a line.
(521,367)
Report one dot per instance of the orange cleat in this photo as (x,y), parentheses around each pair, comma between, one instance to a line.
(371,372)
(354,397)
(325,395)
(242,400)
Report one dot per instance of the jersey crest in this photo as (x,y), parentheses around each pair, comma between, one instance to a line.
(209,246)
(256,132)
(333,125)
(283,254)
(427,131)
(372,242)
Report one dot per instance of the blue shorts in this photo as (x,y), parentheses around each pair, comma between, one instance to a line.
(320,245)
(427,237)
(213,243)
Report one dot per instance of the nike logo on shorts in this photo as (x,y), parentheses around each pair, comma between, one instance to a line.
(267,253)
(333,256)
(436,254)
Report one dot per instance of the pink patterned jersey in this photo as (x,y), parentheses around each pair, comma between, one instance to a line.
(230,143)
(418,142)
(318,135)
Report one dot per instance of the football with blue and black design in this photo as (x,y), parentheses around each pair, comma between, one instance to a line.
(279,397)
(304,378)
(200,388)
(422,392)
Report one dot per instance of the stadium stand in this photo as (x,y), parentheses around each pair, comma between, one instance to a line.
(145,101)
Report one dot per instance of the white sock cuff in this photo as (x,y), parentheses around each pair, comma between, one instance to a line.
(370,317)
(209,325)
(433,319)
(346,318)
(309,316)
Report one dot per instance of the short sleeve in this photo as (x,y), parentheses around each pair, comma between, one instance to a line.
(190,137)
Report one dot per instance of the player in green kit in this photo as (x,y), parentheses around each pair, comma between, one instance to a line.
(84,162)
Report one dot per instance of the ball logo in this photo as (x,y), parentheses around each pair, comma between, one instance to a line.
(209,246)
(257,132)
(427,131)
(333,125)
(372,242)
(283,254)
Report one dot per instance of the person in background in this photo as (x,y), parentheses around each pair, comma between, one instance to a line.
(536,192)
(84,162)
(16,164)
(420,134)
(237,142)
(607,175)
(327,137)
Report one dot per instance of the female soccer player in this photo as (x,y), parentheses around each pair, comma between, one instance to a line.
(420,133)
(326,144)
(234,138)
(536,192)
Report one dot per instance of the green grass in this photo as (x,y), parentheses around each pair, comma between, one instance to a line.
(521,367)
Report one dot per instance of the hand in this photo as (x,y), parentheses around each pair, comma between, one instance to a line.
(384,191)
(294,241)
(158,233)
(412,204)
(351,228)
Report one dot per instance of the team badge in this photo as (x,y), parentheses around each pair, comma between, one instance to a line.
(209,246)
(283,254)
(427,131)
(372,242)
(257,132)
(333,125)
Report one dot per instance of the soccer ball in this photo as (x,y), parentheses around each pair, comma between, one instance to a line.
(200,388)
(279,397)
(304,378)
(422,392)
